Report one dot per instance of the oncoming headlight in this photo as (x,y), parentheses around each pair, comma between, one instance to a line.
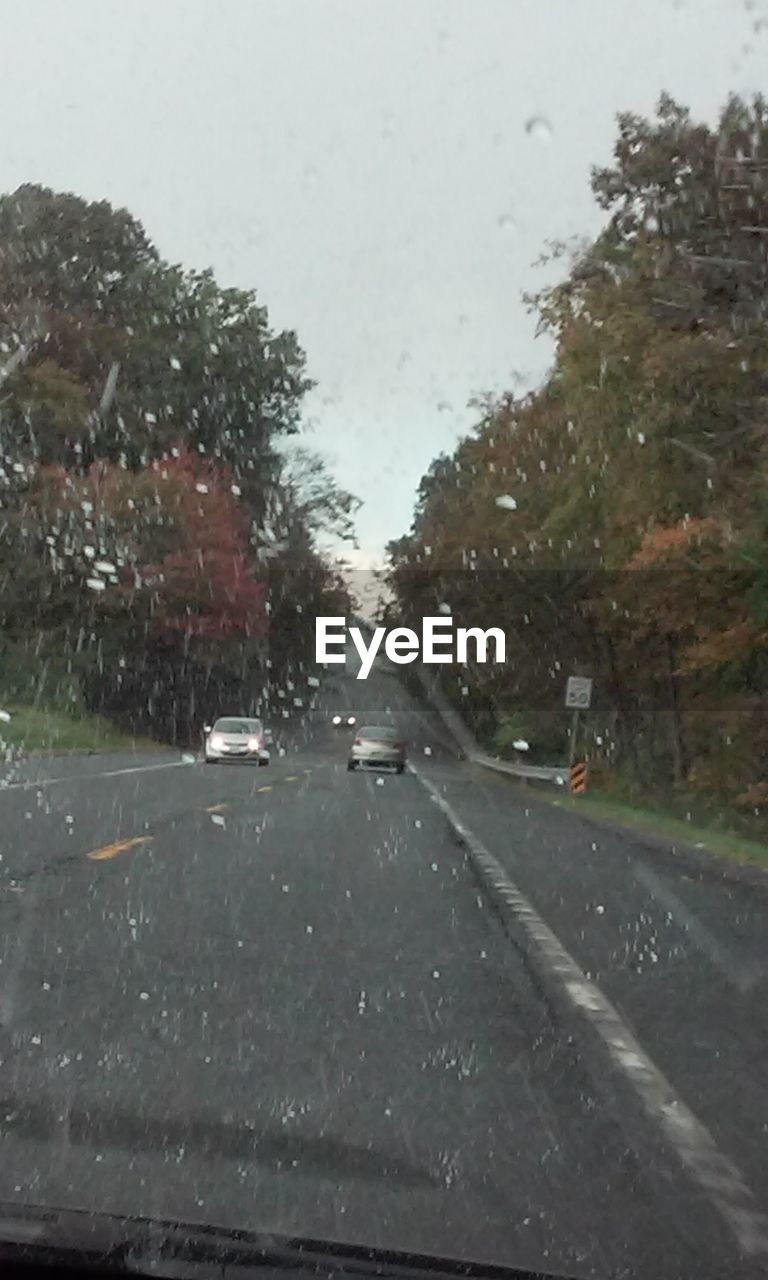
(336,720)
(217,742)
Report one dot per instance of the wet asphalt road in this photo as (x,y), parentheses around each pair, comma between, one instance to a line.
(278,999)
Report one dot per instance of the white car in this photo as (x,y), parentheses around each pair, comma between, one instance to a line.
(236,738)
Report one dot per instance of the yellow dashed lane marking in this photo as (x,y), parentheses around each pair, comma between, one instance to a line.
(119,846)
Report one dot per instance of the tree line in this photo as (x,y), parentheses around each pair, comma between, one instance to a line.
(159,534)
(614,520)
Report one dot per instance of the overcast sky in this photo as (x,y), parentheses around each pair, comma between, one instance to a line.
(383,172)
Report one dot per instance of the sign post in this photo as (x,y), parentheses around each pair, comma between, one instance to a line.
(574,735)
(578,696)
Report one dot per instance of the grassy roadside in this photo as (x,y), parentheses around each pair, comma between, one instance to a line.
(715,837)
(44,729)
(725,843)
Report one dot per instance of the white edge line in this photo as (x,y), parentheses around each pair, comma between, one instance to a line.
(86,777)
(715,1173)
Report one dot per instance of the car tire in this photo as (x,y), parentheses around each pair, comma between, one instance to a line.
(263,764)
(351,766)
(401,768)
(210,760)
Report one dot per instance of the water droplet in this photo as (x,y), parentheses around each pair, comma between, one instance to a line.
(505,222)
(539,128)
(506,502)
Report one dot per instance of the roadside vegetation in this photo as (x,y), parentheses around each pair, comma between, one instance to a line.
(615,521)
(33,729)
(718,833)
(159,541)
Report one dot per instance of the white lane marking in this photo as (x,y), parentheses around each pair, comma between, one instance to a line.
(743,976)
(86,777)
(715,1173)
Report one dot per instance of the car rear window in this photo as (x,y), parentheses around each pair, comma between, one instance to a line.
(238,726)
(378,732)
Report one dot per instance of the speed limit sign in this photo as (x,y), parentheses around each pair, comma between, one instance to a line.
(578,693)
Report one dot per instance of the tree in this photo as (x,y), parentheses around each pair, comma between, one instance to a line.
(142,419)
(613,521)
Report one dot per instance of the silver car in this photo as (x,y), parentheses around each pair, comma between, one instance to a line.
(377,745)
(236,738)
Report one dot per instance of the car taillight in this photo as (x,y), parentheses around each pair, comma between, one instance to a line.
(400,746)
(358,742)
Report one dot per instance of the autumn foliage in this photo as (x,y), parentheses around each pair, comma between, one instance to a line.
(615,521)
(141,478)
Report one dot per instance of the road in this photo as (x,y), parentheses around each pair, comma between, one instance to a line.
(283,999)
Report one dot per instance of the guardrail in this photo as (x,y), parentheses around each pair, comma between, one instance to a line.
(557,774)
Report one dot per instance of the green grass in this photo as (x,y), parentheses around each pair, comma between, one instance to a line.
(728,844)
(45,729)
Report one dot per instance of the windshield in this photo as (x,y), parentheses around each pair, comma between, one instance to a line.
(237,726)
(397,365)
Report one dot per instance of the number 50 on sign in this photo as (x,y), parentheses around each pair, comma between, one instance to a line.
(578,693)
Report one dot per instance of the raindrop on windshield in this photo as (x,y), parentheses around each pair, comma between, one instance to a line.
(539,128)
(505,222)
